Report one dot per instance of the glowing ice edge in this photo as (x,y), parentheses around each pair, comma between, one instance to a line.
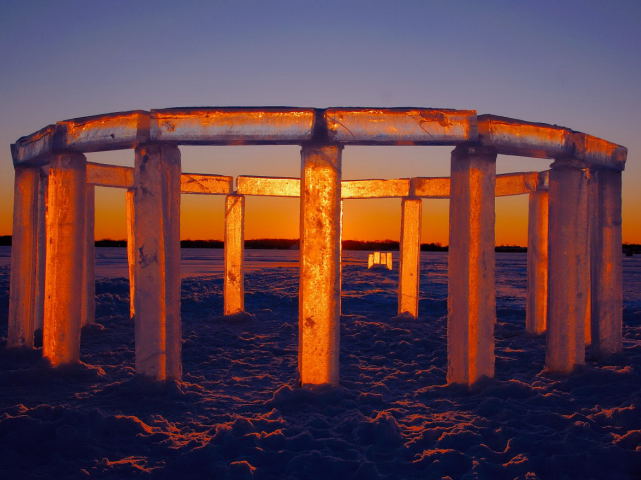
(295,126)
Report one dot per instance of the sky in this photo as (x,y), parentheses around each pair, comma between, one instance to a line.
(572,63)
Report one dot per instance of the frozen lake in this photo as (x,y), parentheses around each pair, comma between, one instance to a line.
(238,408)
(196,262)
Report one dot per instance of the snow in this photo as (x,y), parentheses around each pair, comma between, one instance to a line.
(238,413)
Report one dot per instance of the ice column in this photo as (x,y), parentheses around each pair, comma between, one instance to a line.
(234,290)
(131,251)
(606,263)
(157,261)
(471,290)
(319,303)
(66,238)
(88,309)
(408,288)
(42,247)
(568,269)
(24,281)
(537,263)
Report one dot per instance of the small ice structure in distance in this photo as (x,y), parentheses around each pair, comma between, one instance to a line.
(380,258)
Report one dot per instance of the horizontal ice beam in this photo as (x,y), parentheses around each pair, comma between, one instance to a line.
(290,187)
(295,126)
(401,126)
(597,152)
(268,186)
(510,136)
(123,177)
(506,184)
(239,126)
(110,175)
(112,131)
(206,184)
(375,188)
(34,149)
(437,187)
(516,183)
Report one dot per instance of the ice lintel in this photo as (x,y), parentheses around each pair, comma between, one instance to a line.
(34,149)
(206,184)
(110,175)
(375,188)
(232,125)
(401,126)
(510,136)
(506,184)
(268,186)
(112,131)
(598,152)
(430,187)
(516,183)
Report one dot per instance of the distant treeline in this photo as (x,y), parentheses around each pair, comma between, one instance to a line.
(293,244)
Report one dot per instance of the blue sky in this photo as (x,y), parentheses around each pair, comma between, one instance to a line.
(573,63)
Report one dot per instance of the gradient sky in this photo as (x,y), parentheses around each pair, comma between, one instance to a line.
(573,63)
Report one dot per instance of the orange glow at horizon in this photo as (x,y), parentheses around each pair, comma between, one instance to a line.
(202,218)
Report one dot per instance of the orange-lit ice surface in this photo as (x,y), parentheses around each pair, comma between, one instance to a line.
(375,188)
(103,132)
(471,300)
(537,262)
(516,137)
(268,186)
(157,262)
(510,136)
(23,293)
(110,175)
(65,240)
(88,301)
(410,245)
(234,289)
(319,304)
(285,125)
(232,125)
(153,191)
(205,184)
(401,126)
(568,266)
(606,263)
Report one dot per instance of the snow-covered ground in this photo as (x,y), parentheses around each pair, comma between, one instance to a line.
(238,414)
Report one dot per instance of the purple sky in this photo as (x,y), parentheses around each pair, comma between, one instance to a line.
(574,63)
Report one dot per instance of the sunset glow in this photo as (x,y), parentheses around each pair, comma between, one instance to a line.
(360,240)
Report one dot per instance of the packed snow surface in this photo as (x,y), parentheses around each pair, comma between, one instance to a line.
(239,414)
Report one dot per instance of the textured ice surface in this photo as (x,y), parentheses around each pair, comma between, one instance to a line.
(238,414)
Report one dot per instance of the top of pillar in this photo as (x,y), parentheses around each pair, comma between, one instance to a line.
(296,126)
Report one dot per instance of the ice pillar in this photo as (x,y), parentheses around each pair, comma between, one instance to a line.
(157,261)
(537,263)
(340,262)
(408,287)
(568,267)
(131,251)
(471,288)
(88,309)
(42,247)
(66,239)
(24,258)
(234,290)
(319,303)
(606,263)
